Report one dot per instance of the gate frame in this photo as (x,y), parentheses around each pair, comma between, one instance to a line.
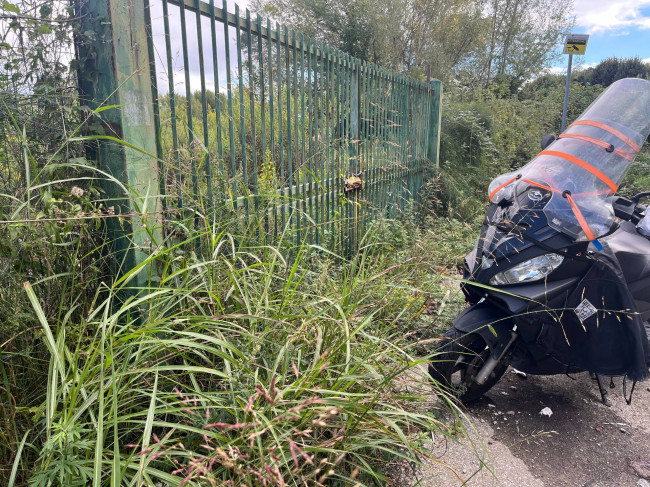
(117,71)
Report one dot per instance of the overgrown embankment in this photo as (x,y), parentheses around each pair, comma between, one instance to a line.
(248,360)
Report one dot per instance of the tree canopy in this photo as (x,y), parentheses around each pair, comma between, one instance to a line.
(613,69)
(467,41)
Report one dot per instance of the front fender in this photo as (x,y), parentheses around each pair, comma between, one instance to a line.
(492,323)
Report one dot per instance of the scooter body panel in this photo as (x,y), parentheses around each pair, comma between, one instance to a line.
(487,320)
(633,254)
(494,325)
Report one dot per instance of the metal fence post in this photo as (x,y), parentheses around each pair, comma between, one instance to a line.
(355,153)
(354,116)
(115,69)
(433,149)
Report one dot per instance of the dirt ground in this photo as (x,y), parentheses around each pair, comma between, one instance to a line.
(583,443)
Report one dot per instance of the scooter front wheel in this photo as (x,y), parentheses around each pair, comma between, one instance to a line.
(459,357)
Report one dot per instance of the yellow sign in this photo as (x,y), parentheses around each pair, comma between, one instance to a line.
(576,44)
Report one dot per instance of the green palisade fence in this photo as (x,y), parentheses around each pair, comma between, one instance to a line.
(255,120)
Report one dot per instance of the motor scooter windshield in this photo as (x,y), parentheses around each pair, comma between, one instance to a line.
(583,168)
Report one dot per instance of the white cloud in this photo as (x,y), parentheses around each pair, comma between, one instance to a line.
(646,60)
(577,66)
(608,15)
(556,70)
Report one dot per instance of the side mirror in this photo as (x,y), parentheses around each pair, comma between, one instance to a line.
(547,140)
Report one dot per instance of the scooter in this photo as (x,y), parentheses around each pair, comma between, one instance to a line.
(559,279)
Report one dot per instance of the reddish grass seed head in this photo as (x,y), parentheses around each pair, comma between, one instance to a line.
(323,367)
(251,401)
(228,426)
(294,448)
(263,393)
(273,390)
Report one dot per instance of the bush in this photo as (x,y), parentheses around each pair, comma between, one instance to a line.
(237,369)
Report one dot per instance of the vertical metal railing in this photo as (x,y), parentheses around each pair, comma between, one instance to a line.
(289,122)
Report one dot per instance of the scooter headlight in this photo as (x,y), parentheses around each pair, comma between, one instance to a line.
(530,270)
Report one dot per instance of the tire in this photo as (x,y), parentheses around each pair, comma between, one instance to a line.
(459,357)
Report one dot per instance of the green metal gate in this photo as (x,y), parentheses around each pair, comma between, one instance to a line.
(257,120)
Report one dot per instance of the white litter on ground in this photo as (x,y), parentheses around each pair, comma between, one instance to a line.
(519,372)
(546,412)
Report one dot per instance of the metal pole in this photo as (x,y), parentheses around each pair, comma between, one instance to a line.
(117,71)
(566,92)
(433,144)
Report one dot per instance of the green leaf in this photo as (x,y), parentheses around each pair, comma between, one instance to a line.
(46,10)
(96,129)
(14,468)
(108,107)
(9,7)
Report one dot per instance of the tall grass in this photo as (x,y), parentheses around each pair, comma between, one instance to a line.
(50,232)
(244,361)
(241,367)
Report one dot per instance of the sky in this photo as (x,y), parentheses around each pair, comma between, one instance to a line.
(177,72)
(619,28)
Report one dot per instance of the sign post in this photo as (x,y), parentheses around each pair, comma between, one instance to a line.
(574,44)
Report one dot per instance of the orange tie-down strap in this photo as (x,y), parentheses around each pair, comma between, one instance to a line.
(581,219)
(585,165)
(633,145)
(552,188)
(600,143)
(501,186)
(576,195)
(547,188)
(574,207)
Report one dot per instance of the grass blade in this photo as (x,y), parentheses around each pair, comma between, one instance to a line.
(14,468)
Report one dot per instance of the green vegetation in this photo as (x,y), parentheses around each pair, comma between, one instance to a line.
(465,42)
(612,69)
(244,362)
(249,359)
(238,367)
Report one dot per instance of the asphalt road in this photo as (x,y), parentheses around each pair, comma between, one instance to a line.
(583,443)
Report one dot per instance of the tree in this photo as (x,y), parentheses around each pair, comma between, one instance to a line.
(35,44)
(37,82)
(417,34)
(344,24)
(404,35)
(519,39)
(468,40)
(613,69)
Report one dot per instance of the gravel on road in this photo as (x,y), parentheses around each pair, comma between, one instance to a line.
(576,442)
